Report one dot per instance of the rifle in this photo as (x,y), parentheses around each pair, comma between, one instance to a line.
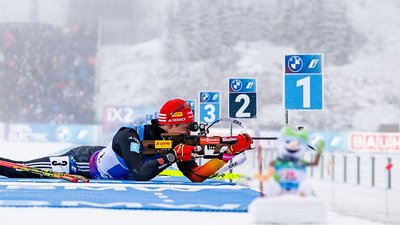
(201,140)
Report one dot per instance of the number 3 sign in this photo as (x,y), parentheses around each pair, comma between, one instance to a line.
(209,107)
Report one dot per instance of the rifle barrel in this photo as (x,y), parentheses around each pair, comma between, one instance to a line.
(264,138)
(275,138)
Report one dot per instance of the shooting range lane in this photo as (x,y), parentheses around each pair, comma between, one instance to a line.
(163,193)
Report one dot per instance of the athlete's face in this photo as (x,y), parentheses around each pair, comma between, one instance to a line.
(180,128)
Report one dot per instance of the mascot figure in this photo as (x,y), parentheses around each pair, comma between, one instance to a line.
(288,189)
(288,171)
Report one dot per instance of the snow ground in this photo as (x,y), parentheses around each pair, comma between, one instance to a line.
(360,201)
(347,204)
(61,216)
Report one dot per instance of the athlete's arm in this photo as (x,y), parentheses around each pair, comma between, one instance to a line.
(197,173)
(127,145)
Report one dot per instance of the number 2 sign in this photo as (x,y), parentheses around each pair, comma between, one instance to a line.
(242,98)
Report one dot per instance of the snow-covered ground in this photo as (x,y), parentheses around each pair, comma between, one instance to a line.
(360,201)
(347,203)
(44,216)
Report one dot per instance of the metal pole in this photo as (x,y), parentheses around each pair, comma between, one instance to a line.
(389,184)
(260,169)
(230,161)
(344,168)
(322,166)
(373,171)
(333,180)
(333,167)
(253,161)
(286,117)
(358,169)
(312,168)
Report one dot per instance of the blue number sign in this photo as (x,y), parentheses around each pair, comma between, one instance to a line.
(209,108)
(242,98)
(303,82)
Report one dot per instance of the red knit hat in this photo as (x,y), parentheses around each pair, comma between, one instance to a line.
(175,111)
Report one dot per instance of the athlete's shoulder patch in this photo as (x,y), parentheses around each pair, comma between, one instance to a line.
(135,147)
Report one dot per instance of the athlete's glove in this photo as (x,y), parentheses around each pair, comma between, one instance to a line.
(184,152)
(243,143)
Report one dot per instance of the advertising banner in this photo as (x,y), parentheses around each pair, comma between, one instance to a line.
(83,134)
(334,141)
(115,117)
(364,141)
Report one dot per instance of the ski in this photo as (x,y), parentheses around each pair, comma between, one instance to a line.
(45,173)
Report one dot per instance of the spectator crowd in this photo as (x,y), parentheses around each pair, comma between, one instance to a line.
(47,73)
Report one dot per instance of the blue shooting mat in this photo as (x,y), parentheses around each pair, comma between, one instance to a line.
(161,193)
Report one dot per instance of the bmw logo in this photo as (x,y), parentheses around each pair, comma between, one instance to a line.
(236,85)
(63,133)
(295,63)
(204,96)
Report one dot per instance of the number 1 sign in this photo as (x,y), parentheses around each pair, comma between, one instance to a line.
(303,82)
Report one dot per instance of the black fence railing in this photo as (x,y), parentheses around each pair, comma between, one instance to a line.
(359,169)
(367,169)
